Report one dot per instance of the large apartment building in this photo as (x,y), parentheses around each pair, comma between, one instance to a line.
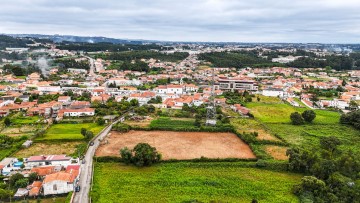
(236,84)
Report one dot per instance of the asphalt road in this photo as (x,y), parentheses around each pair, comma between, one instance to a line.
(87,168)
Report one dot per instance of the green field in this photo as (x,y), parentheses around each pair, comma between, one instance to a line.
(69,131)
(280,113)
(25,120)
(164,122)
(276,119)
(185,182)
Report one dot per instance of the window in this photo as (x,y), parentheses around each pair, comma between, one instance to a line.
(55,187)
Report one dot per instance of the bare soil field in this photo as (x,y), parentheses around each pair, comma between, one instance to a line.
(278,153)
(179,145)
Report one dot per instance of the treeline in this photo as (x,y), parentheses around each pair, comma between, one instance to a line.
(12,56)
(137,55)
(103,46)
(332,174)
(7,41)
(243,59)
(335,62)
(71,63)
(352,118)
(20,71)
(235,59)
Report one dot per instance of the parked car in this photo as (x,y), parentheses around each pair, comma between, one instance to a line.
(91,143)
(83,161)
(77,188)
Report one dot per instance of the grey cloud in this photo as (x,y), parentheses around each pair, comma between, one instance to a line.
(329,21)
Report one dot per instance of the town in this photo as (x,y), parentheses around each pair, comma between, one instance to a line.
(59,102)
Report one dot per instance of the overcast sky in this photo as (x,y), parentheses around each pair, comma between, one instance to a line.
(326,21)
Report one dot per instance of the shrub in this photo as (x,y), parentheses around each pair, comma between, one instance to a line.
(296,118)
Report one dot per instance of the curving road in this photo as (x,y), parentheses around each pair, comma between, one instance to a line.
(87,168)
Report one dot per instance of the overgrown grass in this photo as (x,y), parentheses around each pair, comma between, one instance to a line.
(183,182)
(69,131)
(68,148)
(280,113)
(164,122)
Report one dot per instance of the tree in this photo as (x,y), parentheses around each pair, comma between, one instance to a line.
(100,121)
(7,121)
(296,118)
(21,183)
(142,155)
(134,102)
(14,178)
(343,83)
(83,131)
(145,155)
(126,155)
(330,144)
(308,115)
(32,177)
(5,194)
(89,135)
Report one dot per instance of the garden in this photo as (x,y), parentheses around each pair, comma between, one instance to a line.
(70,132)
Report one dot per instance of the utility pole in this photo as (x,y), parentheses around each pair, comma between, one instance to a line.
(211,108)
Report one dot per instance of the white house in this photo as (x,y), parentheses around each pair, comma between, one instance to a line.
(78,112)
(59,183)
(55,160)
(272,92)
(49,88)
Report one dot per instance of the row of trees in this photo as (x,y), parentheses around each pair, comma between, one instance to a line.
(352,118)
(137,55)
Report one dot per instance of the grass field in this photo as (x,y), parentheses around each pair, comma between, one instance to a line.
(25,120)
(185,182)
(69,131)
(276,120)
(67,148)
(280,113)
(164,122)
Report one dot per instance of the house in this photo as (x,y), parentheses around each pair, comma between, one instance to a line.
(43,171)
(34,189)
(55,160)
(79,105)
(60,182)
(236,84)
(9,164)
(240,109)
(76,112)
(274,92)
(65,100)
(33,76)
(21,192)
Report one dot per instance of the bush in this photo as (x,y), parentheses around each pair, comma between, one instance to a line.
(296,118)
(308,115)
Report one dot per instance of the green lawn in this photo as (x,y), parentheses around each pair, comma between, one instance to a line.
(164,122)
(184,182)
(69,131)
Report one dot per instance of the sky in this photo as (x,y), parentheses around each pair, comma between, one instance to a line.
(306,21)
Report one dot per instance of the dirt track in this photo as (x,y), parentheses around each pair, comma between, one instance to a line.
(180,145)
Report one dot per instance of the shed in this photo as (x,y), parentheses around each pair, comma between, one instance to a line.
(27,143)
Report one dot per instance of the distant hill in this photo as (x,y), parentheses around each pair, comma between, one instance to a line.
(86,39)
